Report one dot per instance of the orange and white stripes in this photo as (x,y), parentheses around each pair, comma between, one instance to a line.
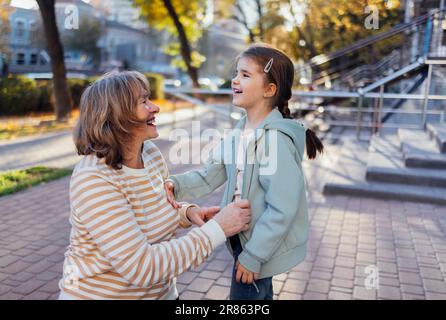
(122,242)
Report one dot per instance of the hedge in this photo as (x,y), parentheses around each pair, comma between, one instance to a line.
(20,95)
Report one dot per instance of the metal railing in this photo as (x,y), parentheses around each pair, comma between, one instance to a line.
(417,38)
(303,101)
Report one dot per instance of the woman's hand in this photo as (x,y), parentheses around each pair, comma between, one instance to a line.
(168,187)
(244,274)
(235,217)
(200,215)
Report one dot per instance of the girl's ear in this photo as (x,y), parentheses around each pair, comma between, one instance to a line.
(270,90)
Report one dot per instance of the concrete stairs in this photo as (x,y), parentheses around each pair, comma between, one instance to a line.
(408,166)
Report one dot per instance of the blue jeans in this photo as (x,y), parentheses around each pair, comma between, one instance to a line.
(261,289)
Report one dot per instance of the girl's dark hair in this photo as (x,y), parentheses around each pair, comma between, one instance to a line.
(281,74)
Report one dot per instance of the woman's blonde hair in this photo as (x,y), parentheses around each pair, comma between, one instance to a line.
(107,114)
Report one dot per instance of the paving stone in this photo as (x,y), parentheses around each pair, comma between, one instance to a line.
(339,282)
(390,293)
(431,273)
(344,273)
(309,295)
(410,278)
(412,289)
(217,293)
(200,284)
(210,274)
(317,285)
(28,287)
(187,277)
(37,295)
(289,296)
(436,286)
(294,286)
(363,294)
(7,260)
(224,281)
(16,267)
(336,295)
(191,295)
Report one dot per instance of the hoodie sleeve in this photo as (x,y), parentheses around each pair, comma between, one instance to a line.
(199,183)
(283,190)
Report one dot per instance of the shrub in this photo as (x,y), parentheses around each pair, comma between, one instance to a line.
(18,95)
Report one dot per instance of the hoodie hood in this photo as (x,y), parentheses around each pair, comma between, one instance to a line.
(292,128)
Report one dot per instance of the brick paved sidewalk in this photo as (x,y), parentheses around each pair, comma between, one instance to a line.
(406,241)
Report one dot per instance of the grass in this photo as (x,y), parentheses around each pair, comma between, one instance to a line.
(16,180)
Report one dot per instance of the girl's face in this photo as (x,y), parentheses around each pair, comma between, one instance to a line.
(146,111)
(248,85)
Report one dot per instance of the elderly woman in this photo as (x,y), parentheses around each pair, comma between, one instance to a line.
(122,243)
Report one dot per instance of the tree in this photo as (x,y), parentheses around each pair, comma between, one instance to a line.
(56,52)
(242,12)
(5,11)
(183,20)
(321,27)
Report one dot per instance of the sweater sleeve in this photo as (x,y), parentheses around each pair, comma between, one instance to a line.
(109,219)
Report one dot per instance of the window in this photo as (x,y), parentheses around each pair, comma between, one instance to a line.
(20,29)
(32,25)
(20,58)
(33,59)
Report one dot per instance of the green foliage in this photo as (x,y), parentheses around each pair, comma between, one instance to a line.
(18,95)
(191,14)
(325,26)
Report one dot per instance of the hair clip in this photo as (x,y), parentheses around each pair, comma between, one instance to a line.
(268,65)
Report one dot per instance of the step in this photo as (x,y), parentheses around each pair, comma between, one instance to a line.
(419,151)
(390,168)
(348,178)
(437,132)
(388,191)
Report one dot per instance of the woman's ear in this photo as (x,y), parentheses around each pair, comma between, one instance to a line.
(270,90)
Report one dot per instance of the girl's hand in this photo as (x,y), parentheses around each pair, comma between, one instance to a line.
(244,274)
(168,187)
(200,216)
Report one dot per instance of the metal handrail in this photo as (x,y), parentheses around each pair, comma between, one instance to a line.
(321,59)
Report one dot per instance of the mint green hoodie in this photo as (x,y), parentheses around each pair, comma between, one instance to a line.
(278,233)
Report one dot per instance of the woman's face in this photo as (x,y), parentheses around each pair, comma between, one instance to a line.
(146,111)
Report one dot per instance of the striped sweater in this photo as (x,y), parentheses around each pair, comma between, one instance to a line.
(122,241)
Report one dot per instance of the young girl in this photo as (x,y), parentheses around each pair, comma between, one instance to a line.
(276,239)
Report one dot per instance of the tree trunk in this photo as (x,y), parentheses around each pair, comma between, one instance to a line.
(55,50)
(260,21)
(184,44)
